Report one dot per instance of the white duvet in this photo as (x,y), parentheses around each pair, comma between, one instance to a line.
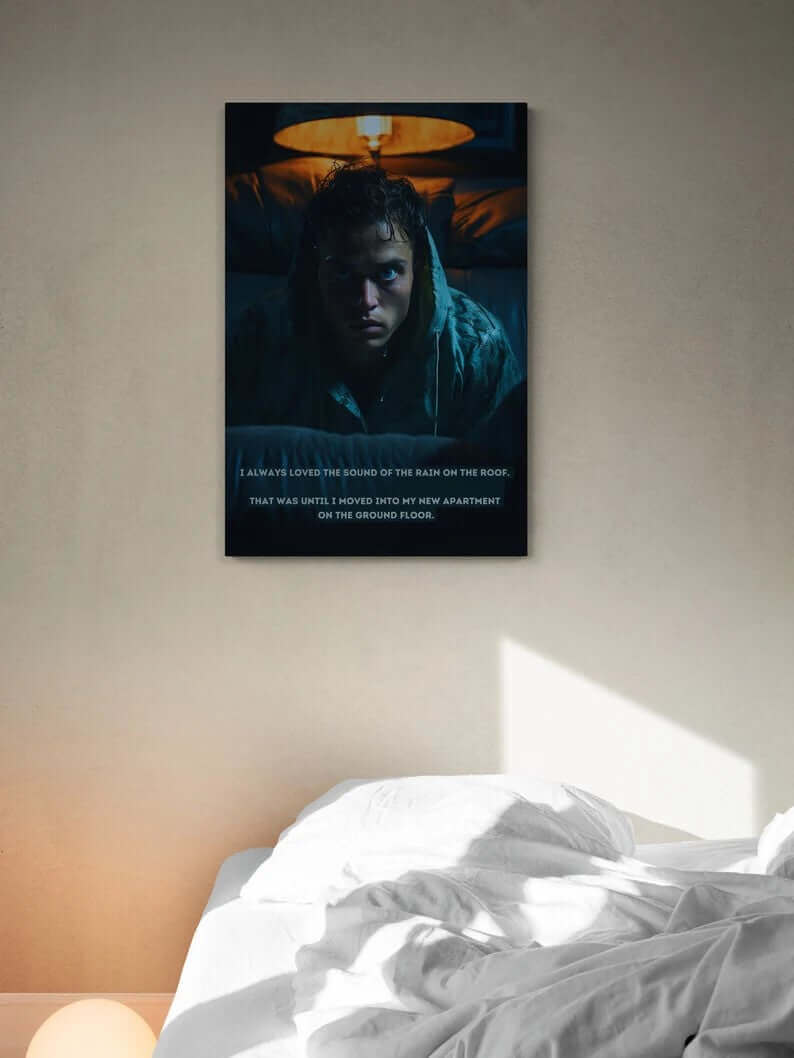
(489,917)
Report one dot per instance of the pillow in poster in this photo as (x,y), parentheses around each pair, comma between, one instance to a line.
(264,211)
(365,831)
(489,228)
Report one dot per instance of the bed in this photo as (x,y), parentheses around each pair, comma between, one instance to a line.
(459,917)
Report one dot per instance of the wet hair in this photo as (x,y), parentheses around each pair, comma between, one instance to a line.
(355,195)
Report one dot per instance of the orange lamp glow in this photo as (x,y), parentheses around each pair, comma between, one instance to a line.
(388,134)
(93,1028)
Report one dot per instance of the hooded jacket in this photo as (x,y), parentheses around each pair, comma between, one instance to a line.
(453,368)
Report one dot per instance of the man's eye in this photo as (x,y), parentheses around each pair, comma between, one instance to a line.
(341,273)
(388,275)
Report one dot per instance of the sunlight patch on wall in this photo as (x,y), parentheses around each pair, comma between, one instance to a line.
(558,725)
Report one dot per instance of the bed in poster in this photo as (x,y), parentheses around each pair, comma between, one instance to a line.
(376,329)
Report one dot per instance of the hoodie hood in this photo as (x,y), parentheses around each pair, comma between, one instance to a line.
(431,291)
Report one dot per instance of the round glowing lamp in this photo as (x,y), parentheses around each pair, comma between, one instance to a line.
(93,1028)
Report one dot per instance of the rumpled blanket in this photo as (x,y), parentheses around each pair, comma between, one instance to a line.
(555,953)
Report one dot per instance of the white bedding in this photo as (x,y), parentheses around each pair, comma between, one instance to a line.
(235,996)
(637,957)
(736,854)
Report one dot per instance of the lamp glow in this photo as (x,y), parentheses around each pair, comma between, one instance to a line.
(344,130)
(93,1028)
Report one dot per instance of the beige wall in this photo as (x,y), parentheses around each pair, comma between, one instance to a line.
(163,706)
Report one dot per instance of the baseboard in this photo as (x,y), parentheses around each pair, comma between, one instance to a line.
(21,1013)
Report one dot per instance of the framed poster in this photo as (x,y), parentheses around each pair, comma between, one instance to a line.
(376,329)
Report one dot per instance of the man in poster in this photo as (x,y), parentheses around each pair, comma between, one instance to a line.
(369,337)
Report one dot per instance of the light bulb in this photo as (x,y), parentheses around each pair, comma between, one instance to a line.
(373,127)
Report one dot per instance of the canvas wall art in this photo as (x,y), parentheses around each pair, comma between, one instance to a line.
(376,328)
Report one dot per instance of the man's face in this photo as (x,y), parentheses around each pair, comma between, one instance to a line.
(365,280)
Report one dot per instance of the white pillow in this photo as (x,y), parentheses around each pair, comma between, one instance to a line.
(372,830)
(776,846)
